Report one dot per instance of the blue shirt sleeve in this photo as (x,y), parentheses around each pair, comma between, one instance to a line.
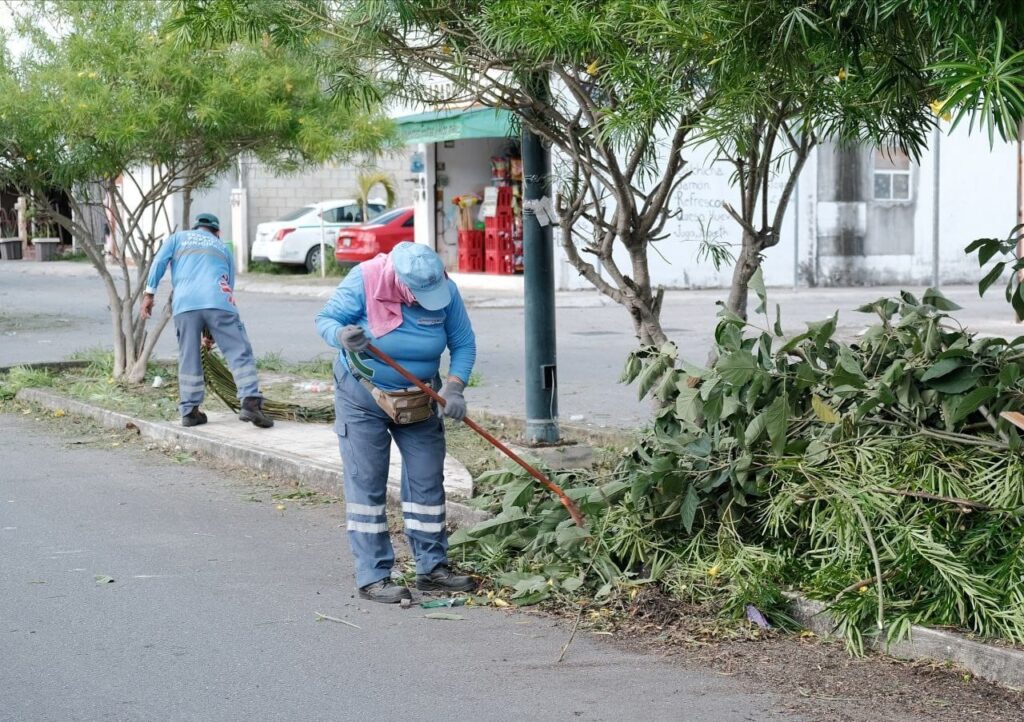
(163,257)
(346,306)
(461,339)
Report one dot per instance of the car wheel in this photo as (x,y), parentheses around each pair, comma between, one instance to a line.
(313,258)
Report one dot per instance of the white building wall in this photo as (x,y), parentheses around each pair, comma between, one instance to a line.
(977,198)
(697,212)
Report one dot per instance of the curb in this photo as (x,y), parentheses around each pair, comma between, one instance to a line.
(46,366)
(1001,665)
(322,477)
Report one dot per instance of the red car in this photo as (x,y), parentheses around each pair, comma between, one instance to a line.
(361,243)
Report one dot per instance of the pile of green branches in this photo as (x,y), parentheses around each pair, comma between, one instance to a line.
(222,384)
(876,475)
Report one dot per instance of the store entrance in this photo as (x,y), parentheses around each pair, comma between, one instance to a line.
(478,205)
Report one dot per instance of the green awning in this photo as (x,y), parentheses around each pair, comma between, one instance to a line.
(437,126)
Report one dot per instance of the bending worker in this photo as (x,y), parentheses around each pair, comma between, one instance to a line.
(203,274)
(404,304)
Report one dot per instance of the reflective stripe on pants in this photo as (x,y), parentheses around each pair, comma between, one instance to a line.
(229,333)
(364,440)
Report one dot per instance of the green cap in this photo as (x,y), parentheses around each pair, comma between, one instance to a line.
(208,220)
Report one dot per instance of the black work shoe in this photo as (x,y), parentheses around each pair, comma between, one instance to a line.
(252,410)
(443,580)
(195,417)
(384,591)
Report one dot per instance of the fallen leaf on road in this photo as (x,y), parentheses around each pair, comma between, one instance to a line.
(443,615)
(104,579)
(59,413)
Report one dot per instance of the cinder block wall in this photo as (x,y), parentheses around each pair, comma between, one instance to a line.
(271,196)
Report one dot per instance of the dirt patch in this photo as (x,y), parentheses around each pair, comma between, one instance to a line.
(812,677)
(468,447)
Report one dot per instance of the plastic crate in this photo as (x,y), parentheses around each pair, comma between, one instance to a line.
(471,260)
(471,241)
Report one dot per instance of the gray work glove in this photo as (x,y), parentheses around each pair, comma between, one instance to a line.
(353,338)
(454,401)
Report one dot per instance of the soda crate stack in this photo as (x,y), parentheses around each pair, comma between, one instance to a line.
(499,244)
(471,251)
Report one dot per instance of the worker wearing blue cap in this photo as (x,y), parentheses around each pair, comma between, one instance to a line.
(203,276)
(405,304)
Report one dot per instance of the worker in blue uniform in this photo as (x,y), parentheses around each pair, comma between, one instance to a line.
(203,276)
(405,304)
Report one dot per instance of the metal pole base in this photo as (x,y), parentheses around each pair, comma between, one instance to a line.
(541,431)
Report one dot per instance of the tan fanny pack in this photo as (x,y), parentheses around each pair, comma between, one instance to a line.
(409,406)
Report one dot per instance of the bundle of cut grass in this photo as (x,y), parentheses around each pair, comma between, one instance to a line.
(222,384)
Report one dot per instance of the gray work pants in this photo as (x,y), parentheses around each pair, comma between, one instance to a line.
(229,333)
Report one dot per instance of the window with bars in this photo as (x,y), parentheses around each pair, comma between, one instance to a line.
(891,175)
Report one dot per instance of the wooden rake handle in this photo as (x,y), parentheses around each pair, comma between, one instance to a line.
(568,503)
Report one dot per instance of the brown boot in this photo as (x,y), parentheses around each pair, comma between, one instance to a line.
(252,410)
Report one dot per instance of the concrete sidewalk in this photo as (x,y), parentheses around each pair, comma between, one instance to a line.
(304,452)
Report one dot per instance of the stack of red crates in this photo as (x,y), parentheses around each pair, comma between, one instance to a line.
(499,250)
(471,251)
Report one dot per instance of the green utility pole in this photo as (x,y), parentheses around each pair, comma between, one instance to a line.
(539,292)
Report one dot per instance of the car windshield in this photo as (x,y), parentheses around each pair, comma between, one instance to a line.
(388,217)
(296,214)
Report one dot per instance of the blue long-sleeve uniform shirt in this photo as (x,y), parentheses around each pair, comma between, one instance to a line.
(417,344)
(202,271)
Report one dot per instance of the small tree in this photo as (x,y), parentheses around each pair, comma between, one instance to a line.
(123,119)
(366,181)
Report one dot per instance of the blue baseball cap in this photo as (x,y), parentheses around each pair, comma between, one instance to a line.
(207,220)
(422,270)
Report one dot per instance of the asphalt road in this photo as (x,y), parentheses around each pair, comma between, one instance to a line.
(47,317)
(211,614)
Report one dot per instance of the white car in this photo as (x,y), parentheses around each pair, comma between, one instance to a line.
(295,237)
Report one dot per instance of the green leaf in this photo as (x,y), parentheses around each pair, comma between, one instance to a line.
(776,422)
(991,277)
(736,368)
(757,284)
(777,328)
(570,536)
(688,510)
(689,405)
(518,494)
(956,382)
(816,453)
(823,411)
(651,373)
(754,430)
(941,368)
(529,599)
(572,584)
(970,403)
(631,369)
(933,297)
(506,518)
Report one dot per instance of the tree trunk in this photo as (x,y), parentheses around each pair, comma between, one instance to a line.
(137,373)
(746,265)
(646,324)
(186,207)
